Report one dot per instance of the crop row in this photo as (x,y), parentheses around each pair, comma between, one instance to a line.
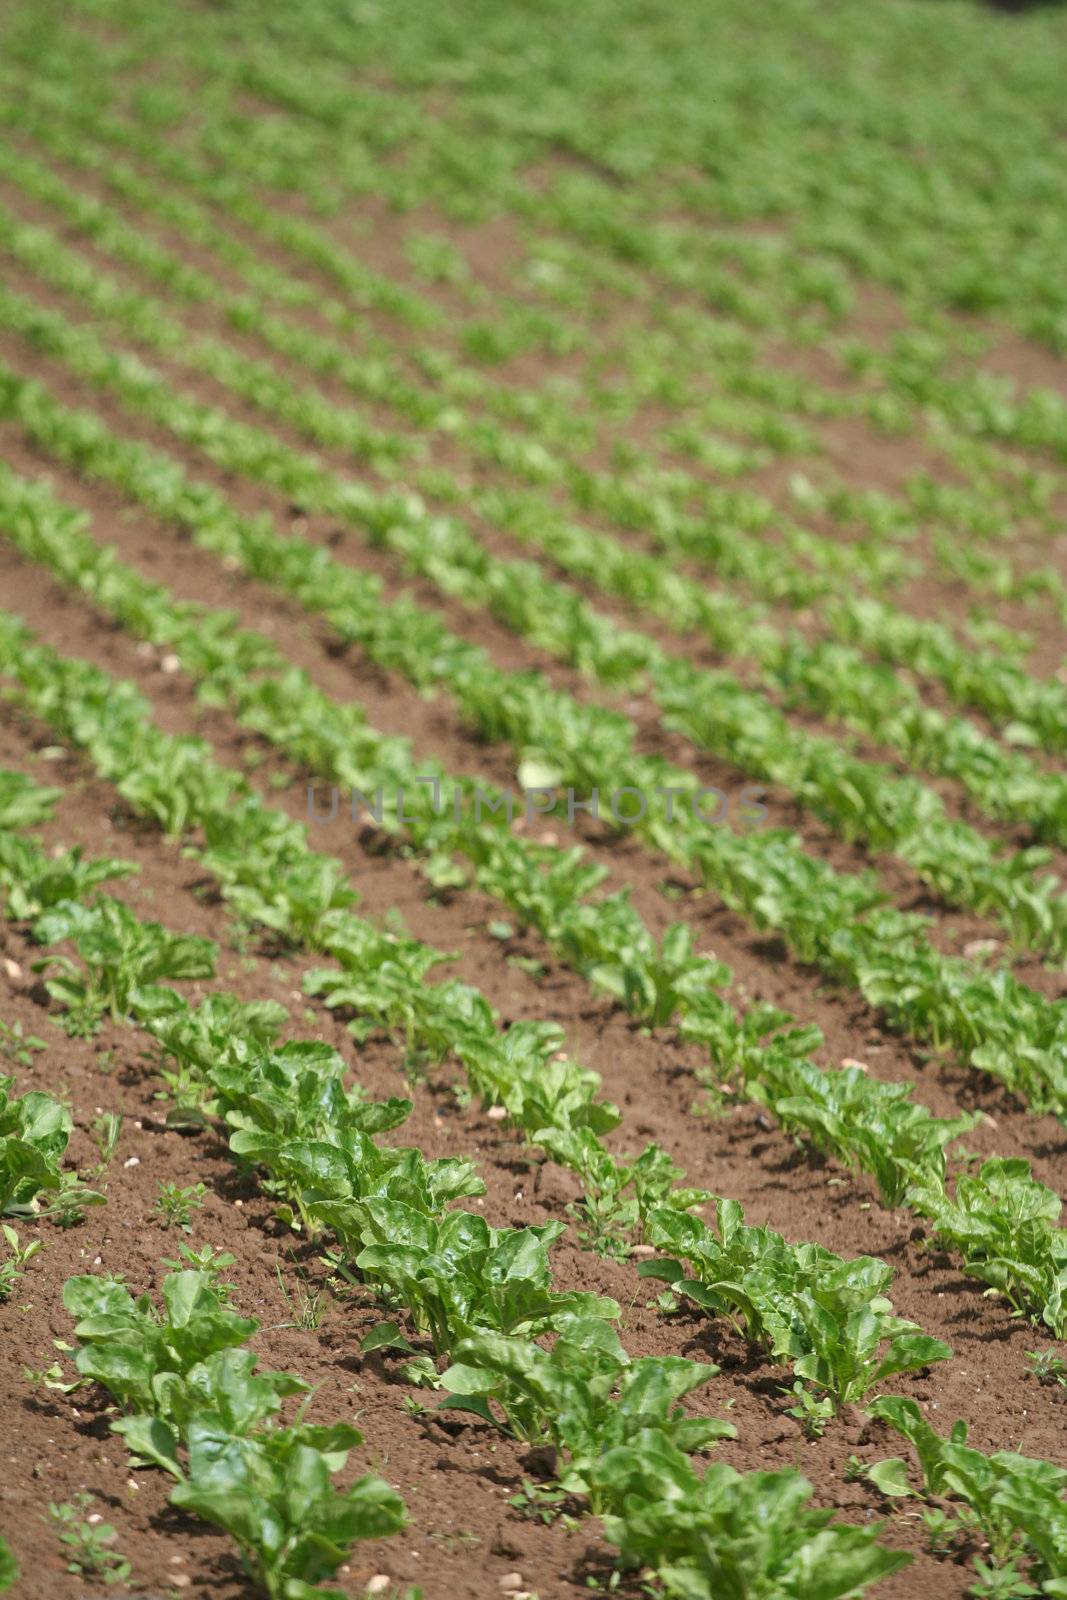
(862,799)
(765,281)
(275,1099)
(768,876)
(857,209)
(479,1294)
(798,569)
(654,367)
(186,1374)
(550,888)
(830,677)
(248,848)
(267,286)
(820,675)
(870,1125)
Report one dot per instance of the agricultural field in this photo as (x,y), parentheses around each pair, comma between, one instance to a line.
(533,811)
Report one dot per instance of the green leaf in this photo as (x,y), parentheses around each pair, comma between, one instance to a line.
(891,1476)
(386,1336)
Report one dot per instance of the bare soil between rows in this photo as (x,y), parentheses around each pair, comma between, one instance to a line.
(457,1476)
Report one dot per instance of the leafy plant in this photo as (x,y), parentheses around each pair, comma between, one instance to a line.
(106,1130)
(19,1256)
(583,1398)
(829,1317)
(34,1131)
(1016,1502)
(272,1493)
(1004,1223)
(457,1275)
(209,1261)
(175,1205)
(165,1366)
(87,1542)
(9,1568)
(17,1046)
(618,1197)
(1048,1367)
(123,961)
(724,1532)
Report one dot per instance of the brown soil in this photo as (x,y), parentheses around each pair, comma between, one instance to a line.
(459,1479)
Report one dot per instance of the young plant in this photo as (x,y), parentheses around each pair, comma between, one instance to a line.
(88,1543)
(458,1276)
(106,1129)
(123,961)
(34,1131)
(163,1366)
(209,1261)
(175,1205)
(617,1196)
(1048,1367)
(726,1533)
(583,1398)
(829,1317)
(1016,1502)
(271,1491)
(19,1256)
(1005,1225)
(17,1046)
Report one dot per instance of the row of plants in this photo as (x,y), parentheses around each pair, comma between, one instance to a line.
(938,238)
(862,799)
(269,875)
(253,159)
(777,569)
(548,887)
(195,1405)
(799,567)
(829,676)
(872,1126)
(1014,1503)
(198,1405)
(270,1101)
(656,374)
(35,1128)
(641,579)
(942,998)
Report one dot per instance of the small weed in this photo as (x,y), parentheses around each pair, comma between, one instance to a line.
(174,1205)
(105,1133)
(538,1501)
(19,1256)
(1000,1582)
(87,1541)
(17,1046)
(1048,1367)
(813,1414)
(941,1531)
(307,1309)
(41,1379)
